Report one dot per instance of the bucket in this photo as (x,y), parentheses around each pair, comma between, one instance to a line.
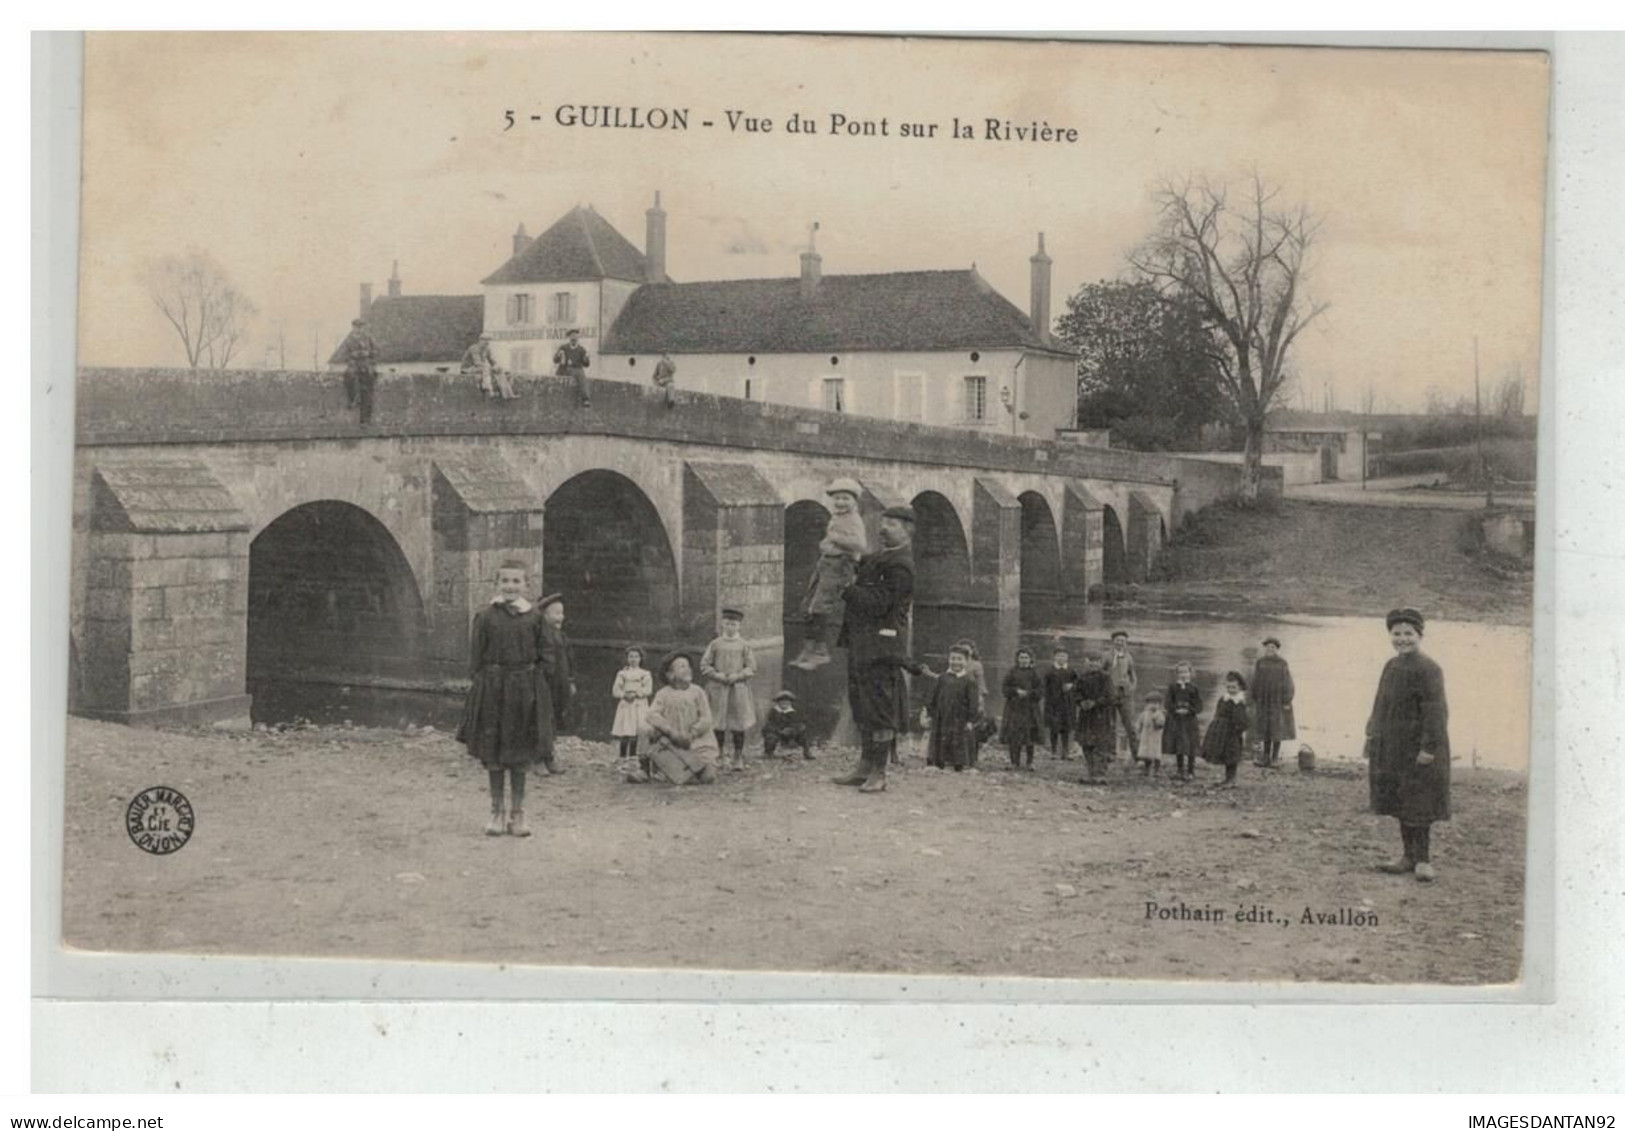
(1306,759)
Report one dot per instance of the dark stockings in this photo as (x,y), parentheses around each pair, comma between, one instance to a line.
(516,778)
(1418,841)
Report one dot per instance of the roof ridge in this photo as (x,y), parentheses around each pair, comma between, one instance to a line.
(592,241)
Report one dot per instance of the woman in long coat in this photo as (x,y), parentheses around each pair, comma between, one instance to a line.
(1407,742)
(1272,693)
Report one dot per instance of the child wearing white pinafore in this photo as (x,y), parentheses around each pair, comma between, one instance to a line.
(634,687)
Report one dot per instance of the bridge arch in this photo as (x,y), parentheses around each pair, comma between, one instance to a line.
(804,524)
(1040,558)
(1114,548)
(605,547)
(335,615)
(942,568)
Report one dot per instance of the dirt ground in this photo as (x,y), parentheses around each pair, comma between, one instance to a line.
(1325,559)
(369,843)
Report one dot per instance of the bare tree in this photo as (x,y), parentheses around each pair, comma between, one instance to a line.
(208,313)
(1509,393)
(1245,268)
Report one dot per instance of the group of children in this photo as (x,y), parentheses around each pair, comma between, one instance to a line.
(522,683)
(1087,711)
(725,709)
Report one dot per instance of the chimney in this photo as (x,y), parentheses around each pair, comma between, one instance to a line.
(395,279)
(521,240)
(812,264)
(654,241)
(366,299)
(1040,292)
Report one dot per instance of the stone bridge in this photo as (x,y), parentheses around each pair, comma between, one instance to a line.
(239,538)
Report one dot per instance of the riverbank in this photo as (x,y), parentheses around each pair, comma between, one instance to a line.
(1323,559)
(368,843)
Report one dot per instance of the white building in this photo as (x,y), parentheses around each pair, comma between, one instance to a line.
(940,347)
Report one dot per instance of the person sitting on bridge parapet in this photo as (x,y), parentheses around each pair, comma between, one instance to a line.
(571,360)
(359,352)
(666,377)
(479,359)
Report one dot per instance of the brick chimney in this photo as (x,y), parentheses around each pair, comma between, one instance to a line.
(812,264)
(654,241)
(521,240)
(395,279)
(366,300)
(1039,310)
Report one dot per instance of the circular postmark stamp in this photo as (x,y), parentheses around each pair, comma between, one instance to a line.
(159,820)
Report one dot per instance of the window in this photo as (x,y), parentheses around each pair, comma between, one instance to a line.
(834,394)
(563,308)
(521,309)
(747,388)
(519,359)
(976,398)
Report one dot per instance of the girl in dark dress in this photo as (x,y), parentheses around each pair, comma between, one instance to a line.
(1060,703)
(1227,732)
(955,708)
(1183,703)
(507,719)
(1407,742)
(1023,708)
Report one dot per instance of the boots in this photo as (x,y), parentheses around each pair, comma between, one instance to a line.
(516,823)
(859,775)
(814,655)
(876,781)
(495,826)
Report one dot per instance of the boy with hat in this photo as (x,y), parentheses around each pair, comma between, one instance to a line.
(571,360)
(726,667)
(557,667)
(845,541)
(1120,666)
(678,731)
(784,724)
(1272,702)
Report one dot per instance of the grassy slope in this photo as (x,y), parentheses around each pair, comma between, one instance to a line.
(1319,558)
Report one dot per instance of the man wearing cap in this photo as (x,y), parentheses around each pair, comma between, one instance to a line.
(844,544)
(571,360)
(479,359)
(359,352)
(557,668)
(875,636)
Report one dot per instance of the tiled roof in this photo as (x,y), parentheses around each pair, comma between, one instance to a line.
(582,245)
(418,329)
(904,310)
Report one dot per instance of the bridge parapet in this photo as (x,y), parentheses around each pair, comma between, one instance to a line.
(177,406)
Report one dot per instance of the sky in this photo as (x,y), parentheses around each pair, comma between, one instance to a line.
(306,164)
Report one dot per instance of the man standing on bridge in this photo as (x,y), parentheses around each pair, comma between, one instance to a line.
(360,356)
(571,360)
(875,636)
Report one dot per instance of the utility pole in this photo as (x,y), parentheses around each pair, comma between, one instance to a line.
(1478,415)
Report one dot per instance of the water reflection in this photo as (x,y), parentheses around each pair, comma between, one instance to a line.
(1335,661)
